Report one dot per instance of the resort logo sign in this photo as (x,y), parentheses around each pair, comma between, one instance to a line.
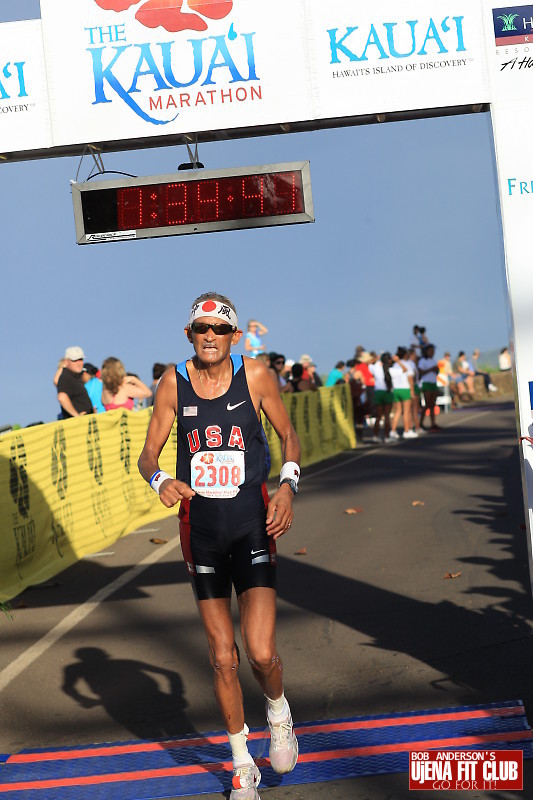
(152,76)
(513,25)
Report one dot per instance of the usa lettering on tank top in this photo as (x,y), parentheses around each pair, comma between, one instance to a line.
(221,443)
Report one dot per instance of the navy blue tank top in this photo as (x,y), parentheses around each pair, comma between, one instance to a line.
(222,447)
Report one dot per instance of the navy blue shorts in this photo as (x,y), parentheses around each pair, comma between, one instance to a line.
(225,543)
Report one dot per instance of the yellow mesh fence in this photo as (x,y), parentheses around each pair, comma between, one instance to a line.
(69,488)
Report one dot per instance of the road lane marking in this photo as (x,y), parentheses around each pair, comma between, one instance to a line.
(37,649)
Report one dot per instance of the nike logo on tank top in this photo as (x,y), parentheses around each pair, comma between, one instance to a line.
(221,443)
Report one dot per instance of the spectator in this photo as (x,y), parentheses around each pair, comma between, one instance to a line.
(314,377)
(383,396)
(287,369)
(93,386)
(277,365)
(504,360)
(412,360)
(489,386)
(120,390)
(71,392)
(418,339)
(464,374)
(298,383)
(428,370)
(447,379)
(61,364)
(356,382)
(337,374)
(402,374)
(157,373)
(252,340)
(363,361)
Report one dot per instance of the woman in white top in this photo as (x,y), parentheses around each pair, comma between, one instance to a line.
(402,374)
(382,395)
(428,369)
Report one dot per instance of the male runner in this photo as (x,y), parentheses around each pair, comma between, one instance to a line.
(228,525)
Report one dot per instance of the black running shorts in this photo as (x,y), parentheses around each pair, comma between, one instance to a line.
(225,544)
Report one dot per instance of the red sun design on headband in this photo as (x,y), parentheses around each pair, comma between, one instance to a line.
(169,14)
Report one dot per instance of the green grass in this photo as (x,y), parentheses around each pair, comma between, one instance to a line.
(6,608)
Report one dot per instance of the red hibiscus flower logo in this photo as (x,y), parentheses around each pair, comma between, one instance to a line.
(169,14)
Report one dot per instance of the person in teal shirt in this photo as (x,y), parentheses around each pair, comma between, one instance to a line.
(336,375)
(93,386)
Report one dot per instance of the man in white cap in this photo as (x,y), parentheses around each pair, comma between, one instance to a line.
(71,392)
(228,524)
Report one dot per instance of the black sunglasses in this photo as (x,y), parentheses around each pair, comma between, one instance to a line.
(218,328)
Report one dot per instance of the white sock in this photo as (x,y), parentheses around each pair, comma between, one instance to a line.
(278,710)
(239,748)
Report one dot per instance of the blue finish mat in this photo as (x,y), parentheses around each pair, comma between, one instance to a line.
(201,764)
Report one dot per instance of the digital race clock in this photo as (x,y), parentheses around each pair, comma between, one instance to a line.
(196,201)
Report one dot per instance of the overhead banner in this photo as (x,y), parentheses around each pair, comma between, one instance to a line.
(24,105)
(128,69)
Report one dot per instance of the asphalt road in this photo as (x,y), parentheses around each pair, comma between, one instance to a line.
(368,623)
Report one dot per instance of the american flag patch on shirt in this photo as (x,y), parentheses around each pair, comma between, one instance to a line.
(190,411)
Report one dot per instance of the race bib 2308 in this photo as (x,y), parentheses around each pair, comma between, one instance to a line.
(217,474)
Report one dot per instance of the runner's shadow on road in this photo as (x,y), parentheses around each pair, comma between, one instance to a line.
(129,691)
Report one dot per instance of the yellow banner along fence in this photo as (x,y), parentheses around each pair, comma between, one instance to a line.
(69,488)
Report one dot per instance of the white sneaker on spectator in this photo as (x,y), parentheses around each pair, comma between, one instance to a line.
(394,435)
(376,439)
(492,388)
(410,435)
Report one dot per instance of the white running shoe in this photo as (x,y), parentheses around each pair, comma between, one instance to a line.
(410,435)
(394,435)
(246,778)
(283,751)
(492,388)
(376,439)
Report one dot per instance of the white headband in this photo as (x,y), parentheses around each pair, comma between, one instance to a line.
(212,308)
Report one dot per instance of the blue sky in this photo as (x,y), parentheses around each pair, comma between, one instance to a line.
(407,231)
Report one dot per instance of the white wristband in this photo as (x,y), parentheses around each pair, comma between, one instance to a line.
(290,470)
(157,479)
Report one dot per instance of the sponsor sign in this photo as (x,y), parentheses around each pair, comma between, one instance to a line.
(466,770)
(513,25)
(24,111)
(120,70)
(510,63)
(390,56)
